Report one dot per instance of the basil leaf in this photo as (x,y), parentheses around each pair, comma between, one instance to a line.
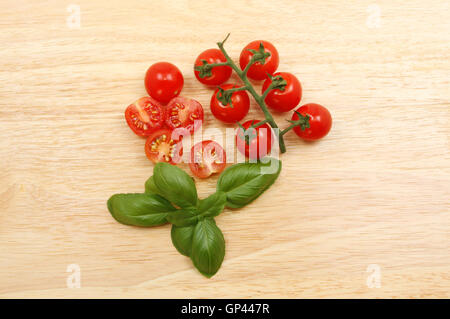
(208,247)
(175,185)
(184,217)
(182,238)
(213,205)
(244,182)
(150,186)
(139,209)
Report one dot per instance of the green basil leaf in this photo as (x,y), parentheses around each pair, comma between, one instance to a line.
(150,186)
(184,217)
(244,182)
(208,247)
(139,209)
(213,205)
(175,185)
(182,238)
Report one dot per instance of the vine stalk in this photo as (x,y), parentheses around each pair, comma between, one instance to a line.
(249,87)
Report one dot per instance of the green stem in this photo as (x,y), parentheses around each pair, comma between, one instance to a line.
(288,129)
(258,98)
(259,123)
(242,88)
(212,65)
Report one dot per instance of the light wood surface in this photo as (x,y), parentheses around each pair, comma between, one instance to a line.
(376,191)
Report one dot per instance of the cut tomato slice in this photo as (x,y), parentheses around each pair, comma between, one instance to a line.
(162,147)
(207,158)
(145,116)
(184,112)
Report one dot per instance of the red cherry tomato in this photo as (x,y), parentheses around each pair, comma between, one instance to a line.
(184,112)
(145,116)
(230,113)
(219,74)
(259,71)
(319,121)
(259,140)
(286,100)
(163,81)
(161,147)
(207,158)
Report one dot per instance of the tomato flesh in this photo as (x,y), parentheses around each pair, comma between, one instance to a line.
(184,112)
(145,116)
(320,121)
(259,71)
(259,140)
(207,158)
(230,113)
(219,74)
(286,99)
(162,147)
(163,81)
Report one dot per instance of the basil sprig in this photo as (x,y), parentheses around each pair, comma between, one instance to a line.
(171,196)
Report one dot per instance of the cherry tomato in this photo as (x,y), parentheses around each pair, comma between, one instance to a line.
(259,140)
(259,71)
(230,113)
(219,74)
(286,100)
(145,116)
(184,112)
(163,81)
(207,158)
(161,147)
(319,121)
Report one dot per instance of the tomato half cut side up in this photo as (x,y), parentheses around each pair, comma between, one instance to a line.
(162,147)
(145,116)
(207,158)
(184,112)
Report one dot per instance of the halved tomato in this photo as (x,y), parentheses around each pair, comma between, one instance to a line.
(145,116)
(207,158)
(184,112)
(162,147)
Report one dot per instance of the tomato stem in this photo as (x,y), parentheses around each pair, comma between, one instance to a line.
(249,87)
(302,122)
(288,129)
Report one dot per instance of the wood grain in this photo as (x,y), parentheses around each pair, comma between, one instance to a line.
(375,191)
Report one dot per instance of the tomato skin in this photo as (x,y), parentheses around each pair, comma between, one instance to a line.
(163,81)
(320,121)
(283,101)
(207,158)
(219,74)
(226,113)
(184,112)
(144,116)
(259,71)
(259,146)
(161,147)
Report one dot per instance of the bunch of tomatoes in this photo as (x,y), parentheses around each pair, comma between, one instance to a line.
(164,112)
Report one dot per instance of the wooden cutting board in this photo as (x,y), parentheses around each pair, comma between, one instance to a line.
(362,213)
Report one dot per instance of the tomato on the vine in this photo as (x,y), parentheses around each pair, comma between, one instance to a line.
(219,74)
(258,71)
(286,99)
(254,143)
(240,104)
(161,146)
(184,112)
(207,158)
(163,81)
(145,116)
(320,121)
